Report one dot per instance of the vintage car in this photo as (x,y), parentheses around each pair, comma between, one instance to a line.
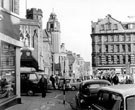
(88,92)
(71,84)
(74,84)
(117,97)
(29,83)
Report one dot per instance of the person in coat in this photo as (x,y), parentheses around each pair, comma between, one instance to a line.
(43,85)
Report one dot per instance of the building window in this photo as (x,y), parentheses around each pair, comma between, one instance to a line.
(7,71)
(122,38)
(118,59)
(124,59)
(107,60)
(52,26)
(105,38)
(100,60)
(128,38)
(123,48)
(117,48)
(129,59)
(99,39)
(102,28)
(115,27)
(130,26)
(1,3)
(116,38)
(112,59)
(106,48)
(108,26)
(110,38)
(111,48)
(129,48)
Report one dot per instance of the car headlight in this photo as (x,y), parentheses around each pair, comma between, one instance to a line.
(82,101)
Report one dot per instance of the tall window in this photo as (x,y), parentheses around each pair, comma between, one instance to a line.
(10,5)
(118,59)
(105,38)
(1,3)
(128,38)
(106,48)
(124,59)
(100,60)
(129,48)
(107,60)
(115,27)
(123,48)
(116,38)
(102,28)
(117,48)
(129,59)
(108,26)
(112,59)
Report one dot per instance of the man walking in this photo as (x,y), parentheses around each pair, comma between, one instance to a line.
(53,81)
(43,85)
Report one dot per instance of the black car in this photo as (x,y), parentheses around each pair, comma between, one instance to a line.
(29,83)
(87,93)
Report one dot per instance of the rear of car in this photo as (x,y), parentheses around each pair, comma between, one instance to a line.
(87,93)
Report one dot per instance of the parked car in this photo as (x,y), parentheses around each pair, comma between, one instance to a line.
(88,92)
(74,84)
(117,97)
(29,83)
(61,83)
(71,84)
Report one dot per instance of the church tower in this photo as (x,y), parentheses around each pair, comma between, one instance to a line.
(35,14)
(53,27)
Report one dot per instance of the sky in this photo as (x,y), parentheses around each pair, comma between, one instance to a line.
(75,18)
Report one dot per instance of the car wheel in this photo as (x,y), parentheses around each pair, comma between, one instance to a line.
(73,88)
(30,92)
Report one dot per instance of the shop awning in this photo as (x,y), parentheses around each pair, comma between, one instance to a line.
(27,60)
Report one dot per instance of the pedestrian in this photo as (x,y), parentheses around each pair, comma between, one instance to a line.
(115,79)
(43,85)
(52,79)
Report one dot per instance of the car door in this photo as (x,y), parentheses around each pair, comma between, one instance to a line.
(108,100)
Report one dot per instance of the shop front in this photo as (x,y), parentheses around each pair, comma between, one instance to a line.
(9,75)
(9,59)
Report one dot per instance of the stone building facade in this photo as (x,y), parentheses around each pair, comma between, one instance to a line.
(113,44)
(32,37)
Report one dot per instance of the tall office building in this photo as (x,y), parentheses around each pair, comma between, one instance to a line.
(113,46)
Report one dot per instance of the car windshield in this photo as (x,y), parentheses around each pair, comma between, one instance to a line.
(130,103)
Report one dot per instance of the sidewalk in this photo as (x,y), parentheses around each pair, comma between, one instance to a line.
(39,103)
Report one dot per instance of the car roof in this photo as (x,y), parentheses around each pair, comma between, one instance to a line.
(123,89)
(94,81)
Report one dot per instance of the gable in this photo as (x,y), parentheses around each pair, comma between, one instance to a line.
(108,25)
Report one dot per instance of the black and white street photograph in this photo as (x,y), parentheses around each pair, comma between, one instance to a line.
(67,55)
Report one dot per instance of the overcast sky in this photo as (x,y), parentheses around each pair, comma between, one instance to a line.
(75,18)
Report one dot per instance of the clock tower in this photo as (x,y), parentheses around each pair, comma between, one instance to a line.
(53,27)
